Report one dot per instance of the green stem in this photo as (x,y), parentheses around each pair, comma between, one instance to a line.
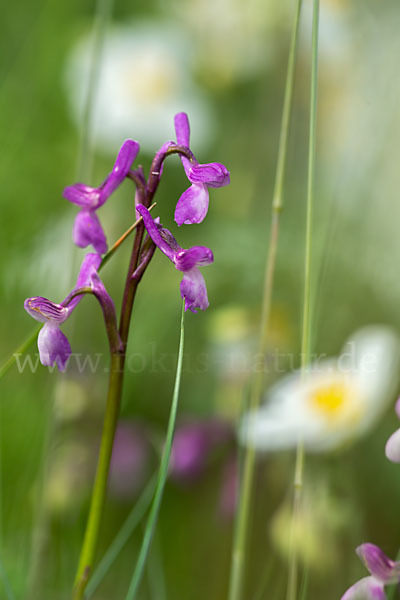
(246,488)
(162,476)
(306,333)
(100,485)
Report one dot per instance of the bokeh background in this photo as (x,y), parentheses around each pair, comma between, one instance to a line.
(224,63)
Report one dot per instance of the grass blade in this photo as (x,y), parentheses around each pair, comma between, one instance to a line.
(130,524)
(162,476)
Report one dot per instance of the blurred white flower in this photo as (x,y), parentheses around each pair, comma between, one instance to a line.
(144,80)
(232,40)
(334,402)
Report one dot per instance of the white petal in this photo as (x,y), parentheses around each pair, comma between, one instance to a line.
(392,449)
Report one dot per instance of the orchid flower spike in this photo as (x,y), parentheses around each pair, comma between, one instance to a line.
(192,206)
(87,227)
(193,287)
(53,345)
(384,571)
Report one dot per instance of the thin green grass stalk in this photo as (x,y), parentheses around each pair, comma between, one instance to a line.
(19,351)
(304,585)
(247,479)
(162,476)
(306,333)
(128,527)
(155,572)
(9,594)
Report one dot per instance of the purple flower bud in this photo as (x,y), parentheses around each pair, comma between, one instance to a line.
(193,287)
(192,206)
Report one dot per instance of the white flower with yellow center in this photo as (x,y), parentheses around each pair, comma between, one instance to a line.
(334,402)
(144,79)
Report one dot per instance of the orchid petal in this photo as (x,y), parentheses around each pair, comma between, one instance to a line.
(378,564)
(53,346)
(127,154)
(82,195)
(182,130)
(89,266)
(192,206)
(367,588)
(160,236)
(88,230)
(44,310)
(213,174)
(392,448)
(196,256)
(193,289)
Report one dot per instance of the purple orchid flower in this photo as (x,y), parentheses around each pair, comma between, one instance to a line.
(192,206)
(193,287)
(392,449)
(87,227)
(384,571)
(53,345)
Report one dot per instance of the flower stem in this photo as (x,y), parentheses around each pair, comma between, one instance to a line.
(246,488)
(306,333)
(100,485)
(162,475)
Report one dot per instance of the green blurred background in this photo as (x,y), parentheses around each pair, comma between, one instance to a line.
(228,65)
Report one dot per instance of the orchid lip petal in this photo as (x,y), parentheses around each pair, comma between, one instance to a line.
(53,346)
(367,588)
(192,206)
(194,291)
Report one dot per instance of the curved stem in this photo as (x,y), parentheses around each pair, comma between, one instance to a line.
(247,479)
(100,485)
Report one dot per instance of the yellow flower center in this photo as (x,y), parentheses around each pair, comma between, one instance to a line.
(331,399)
